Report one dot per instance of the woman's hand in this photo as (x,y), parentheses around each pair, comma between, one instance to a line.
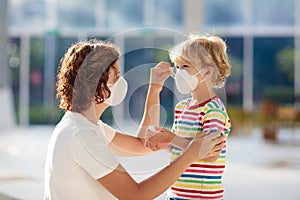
(158,138)
(205,145)
(159,74)
(215,153)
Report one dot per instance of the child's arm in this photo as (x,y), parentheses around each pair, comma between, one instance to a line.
(214,120)
(159,138)
(151,116)
(126,145)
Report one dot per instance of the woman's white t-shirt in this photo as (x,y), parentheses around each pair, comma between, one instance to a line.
(78,154)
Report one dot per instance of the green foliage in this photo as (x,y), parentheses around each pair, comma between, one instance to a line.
(285,60)
(44,115)
(236,67)
(37,49)
(279,93)
(107,116)
(162,55)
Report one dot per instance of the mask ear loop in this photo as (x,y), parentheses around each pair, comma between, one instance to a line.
(199,72)
(173,74)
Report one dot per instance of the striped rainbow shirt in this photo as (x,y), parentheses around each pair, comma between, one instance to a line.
(203,179)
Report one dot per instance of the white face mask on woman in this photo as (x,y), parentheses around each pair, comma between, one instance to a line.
(186,82)
(118,92)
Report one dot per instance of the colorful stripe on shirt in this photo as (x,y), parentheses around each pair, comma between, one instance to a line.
(203,179)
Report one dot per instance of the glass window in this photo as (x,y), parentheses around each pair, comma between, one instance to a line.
(37,112)
(26,14)
(14,61)
(76,14)
(173,16)
(273,12)
(234,85)
(142,53)
(274,69)
(62,45)
(124,14)
(223,12)
(37,49)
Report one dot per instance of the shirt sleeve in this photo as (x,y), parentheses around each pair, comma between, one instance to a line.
(90,151)
(214,120)
(108,132)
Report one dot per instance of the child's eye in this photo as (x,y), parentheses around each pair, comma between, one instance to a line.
(185,66)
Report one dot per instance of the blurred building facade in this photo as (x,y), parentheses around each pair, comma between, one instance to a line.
(263,38)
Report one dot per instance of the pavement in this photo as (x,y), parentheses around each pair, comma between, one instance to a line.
(255,169)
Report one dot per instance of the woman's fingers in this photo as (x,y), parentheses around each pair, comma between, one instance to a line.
(219,146)
(203,134)
(214,135)
(212,142)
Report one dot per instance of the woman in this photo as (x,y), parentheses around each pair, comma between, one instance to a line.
(81,162)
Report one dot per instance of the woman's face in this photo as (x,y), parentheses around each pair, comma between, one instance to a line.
(114,74)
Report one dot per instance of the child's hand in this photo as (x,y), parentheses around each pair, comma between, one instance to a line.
(158,138)
(159,74)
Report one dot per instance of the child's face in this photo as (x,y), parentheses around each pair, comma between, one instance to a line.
(181,63)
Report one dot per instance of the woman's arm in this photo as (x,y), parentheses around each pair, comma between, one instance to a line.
(122,186)
(125,145)
(161,137)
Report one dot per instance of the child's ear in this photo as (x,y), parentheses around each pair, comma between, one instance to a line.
(210,70)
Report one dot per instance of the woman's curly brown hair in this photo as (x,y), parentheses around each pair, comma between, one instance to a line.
(83,74)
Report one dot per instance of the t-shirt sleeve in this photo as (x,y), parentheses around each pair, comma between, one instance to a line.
(108,132)
(91,152)
(214,119)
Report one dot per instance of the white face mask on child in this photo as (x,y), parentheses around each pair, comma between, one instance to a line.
(186,82)
(118,92)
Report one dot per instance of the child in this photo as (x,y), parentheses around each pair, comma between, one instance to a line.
(202,65)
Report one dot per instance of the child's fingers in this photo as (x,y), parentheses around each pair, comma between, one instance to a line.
(151,146)
(162,67)
(162,64)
